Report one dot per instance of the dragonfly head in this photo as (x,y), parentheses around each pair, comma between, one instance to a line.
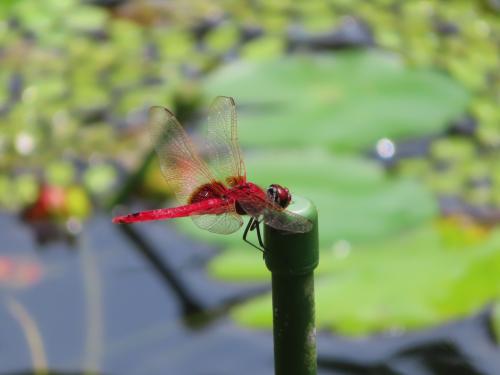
(279,195)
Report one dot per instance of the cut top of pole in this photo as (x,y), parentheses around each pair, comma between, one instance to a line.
(293,253)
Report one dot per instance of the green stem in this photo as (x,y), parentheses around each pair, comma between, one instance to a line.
(292,258)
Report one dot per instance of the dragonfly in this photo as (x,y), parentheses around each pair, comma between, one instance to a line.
(216,194)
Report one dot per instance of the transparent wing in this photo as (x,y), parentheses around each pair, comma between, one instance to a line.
(222,142)
(274,215)
(180,164)
(226,223)
(286,220)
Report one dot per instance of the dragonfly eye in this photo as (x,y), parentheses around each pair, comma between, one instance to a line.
(279,195)
(272,193)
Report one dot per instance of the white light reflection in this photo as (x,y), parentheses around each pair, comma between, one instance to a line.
(386,148)
(73,225)
(341,248)
(24,143)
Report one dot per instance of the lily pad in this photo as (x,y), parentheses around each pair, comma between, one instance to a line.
(357,202)
(345,101)
(407,283)
(479,282)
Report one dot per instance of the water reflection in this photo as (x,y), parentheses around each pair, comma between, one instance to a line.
(25,143)
(385,148)
(125,302)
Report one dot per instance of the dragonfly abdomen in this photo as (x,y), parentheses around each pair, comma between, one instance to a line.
(214,206)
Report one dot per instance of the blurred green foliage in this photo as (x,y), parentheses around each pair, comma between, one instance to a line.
(357,201)
(88,69)
(344,102)
(76,80)
(411,281)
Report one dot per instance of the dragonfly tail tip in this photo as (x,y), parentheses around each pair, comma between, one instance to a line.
(119,220)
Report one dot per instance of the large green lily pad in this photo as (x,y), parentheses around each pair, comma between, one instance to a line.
(345,101)
(357,202)
(413,281)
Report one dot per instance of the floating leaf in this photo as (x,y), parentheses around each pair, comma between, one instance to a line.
(77,202)
(345,101)
(99,178)
(263,48)
(26,186)
(356,201)
(60,173)
(222,38)
(410,282)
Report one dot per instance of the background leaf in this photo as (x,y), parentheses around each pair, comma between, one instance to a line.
(412,281)
(344,101)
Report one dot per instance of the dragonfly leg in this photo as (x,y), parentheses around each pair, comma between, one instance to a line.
(259,237)
(247,228)
(253,224)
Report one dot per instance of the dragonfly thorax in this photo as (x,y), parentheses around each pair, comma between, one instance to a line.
(207,191)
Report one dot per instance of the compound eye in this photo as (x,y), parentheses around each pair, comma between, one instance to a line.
(285,198)
(272,193)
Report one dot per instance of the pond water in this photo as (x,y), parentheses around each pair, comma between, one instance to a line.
(138,301)
(102,305)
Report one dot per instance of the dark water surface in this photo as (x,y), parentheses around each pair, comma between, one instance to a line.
(105,306)
(137,301)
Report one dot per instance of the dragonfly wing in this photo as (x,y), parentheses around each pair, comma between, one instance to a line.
(226,223)
(286,220)
(180,164)
(222,142)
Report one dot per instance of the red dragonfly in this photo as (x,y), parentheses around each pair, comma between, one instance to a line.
(217,196)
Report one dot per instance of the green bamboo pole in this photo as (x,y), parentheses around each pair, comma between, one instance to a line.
(292,258)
